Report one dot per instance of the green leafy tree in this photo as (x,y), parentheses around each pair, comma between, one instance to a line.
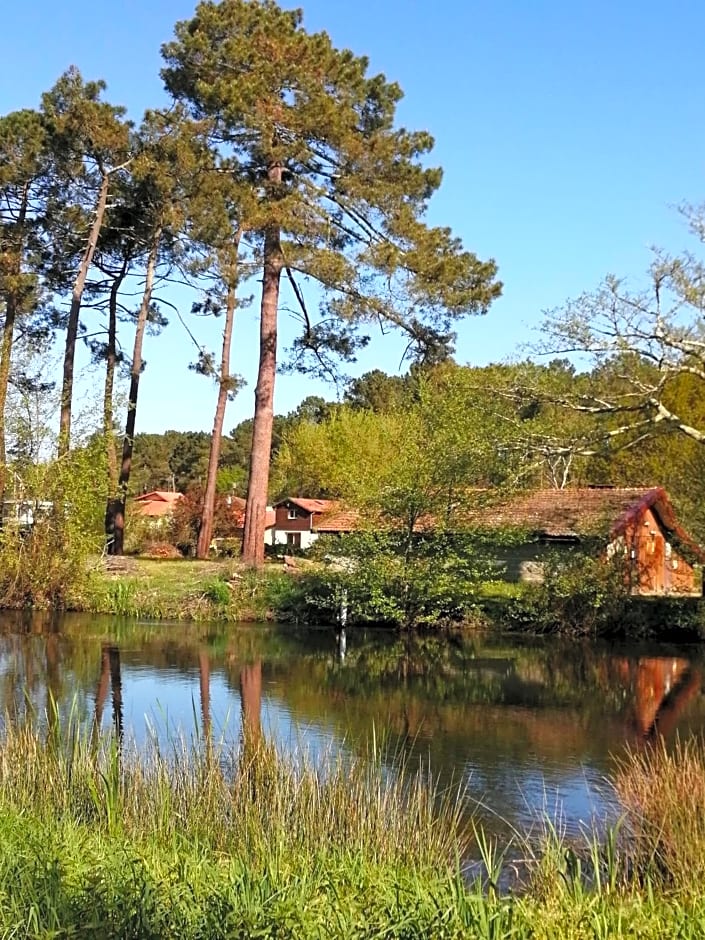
(51,529)
(337,196)
(377,391)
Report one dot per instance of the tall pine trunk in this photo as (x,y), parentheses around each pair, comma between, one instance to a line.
(111,504)
(205,533)
(115,523)
(72,325)
(110,365)
(260,453)
(12,304)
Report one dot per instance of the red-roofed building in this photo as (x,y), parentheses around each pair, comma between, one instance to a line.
(157,504)
(299,521)
(638,523)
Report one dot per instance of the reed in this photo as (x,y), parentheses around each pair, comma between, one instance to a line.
(205,842)
(662,790)
(197,840)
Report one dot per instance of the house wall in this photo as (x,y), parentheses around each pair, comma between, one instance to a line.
(302,522)
(525,563)
(300,526)
(656,567)
(307,538)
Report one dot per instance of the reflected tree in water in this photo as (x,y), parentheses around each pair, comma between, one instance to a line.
(110,678)
(204,686)
(251,702)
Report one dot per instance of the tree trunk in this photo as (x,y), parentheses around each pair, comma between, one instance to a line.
(258,484)
(110,365)
(111,506)
(8,334)
(206,530)
(72,325)
(117,509)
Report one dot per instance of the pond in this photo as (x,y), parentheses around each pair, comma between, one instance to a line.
(528,726)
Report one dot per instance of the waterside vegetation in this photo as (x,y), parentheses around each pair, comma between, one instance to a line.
(579,597)
(205,842)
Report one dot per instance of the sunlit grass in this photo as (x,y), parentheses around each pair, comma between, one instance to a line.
(182,589)
(194,839)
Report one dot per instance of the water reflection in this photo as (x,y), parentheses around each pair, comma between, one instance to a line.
(528,726)
(110,679)
(661,688)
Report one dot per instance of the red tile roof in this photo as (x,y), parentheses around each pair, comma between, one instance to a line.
(165,496)
(237,506)
(311,505)
(157,503)
(342,520)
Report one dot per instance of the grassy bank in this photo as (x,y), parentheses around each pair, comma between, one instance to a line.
(181,590)
(224,590)
(98,844)
(222,845)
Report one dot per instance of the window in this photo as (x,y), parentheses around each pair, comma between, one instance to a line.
(293,539)
(293,514)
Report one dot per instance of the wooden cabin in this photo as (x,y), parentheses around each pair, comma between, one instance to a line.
(636,523)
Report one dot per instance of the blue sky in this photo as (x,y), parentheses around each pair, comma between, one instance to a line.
(567,133)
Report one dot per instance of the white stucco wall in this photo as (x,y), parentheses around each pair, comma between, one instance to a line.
(307,538)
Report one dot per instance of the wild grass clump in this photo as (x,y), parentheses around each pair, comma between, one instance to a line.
(662,790)
(204,842)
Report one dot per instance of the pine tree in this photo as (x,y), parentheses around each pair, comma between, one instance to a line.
(24,169)
(90,143)
(337,195)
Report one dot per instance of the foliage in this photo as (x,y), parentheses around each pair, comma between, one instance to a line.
(42,563)
(579,595)
(426,460)
(184,524)
(379,579)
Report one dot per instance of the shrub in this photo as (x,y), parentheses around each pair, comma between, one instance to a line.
(383,578)
(44,559)
(217,592)
(185,523)
(579,595)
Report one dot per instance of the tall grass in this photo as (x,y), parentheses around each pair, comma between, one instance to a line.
(203,842)
(97,841)
(663,792)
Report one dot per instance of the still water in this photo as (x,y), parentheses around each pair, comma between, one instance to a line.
(526,726)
